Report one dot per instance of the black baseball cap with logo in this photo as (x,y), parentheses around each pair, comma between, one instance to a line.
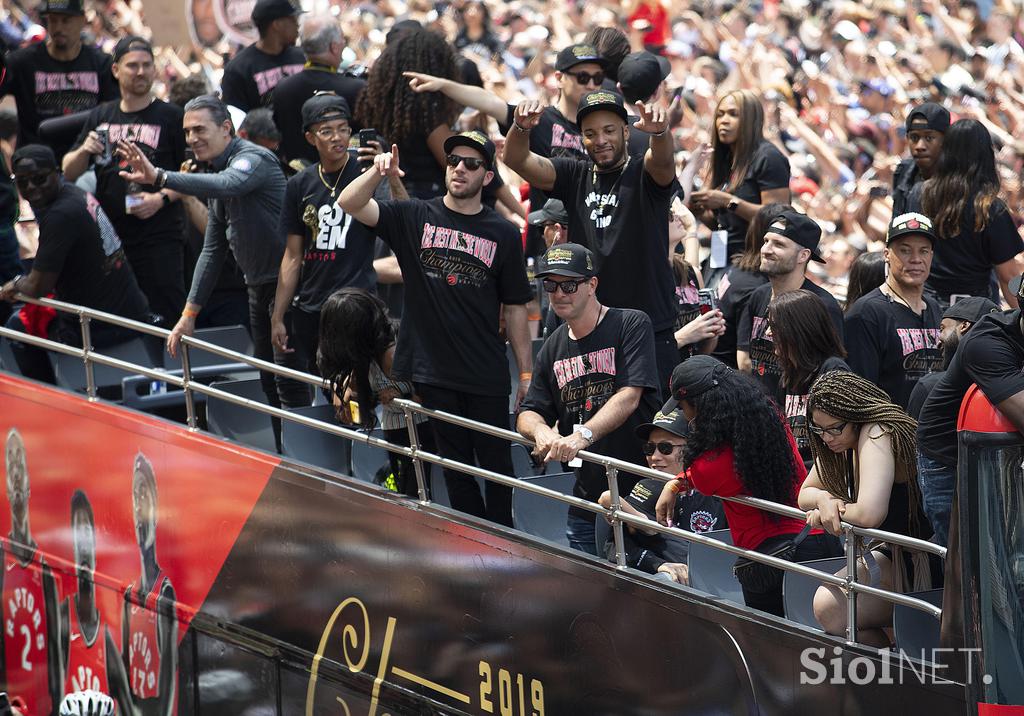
(601,101)
(673,421)
(62,7)
(267,10)
(929,116)
(569,260)
(474,140)
(693,377)
(131,44)
(640,74)
(910,224)
(552,211)
(798,228)
(578,54)
(971,309)
(322,107)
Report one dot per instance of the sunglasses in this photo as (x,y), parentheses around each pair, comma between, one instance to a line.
(34,179)
(834,431)
(665,448)
(472,163)
(569,286)
(584,78)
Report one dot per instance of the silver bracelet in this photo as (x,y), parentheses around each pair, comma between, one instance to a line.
(524,130)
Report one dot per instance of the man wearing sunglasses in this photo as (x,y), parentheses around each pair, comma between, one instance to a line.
(463,267)
(79,259)
(595,381)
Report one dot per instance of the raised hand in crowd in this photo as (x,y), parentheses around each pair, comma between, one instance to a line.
(527,114)
(386,163)
(140,169)
(653,118)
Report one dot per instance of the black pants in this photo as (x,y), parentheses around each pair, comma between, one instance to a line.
(813,547)
(303,335)
(458,443)
(666,353)
(160,272)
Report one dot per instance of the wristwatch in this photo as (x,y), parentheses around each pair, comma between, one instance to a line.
(586,433)
(731,206)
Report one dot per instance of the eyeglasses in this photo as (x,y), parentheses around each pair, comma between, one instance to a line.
(330,132)
(37,179)
(834,431)
(665,448)
(584,78)
(569,286)
(472,163)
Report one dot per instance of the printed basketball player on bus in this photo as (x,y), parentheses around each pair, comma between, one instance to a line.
(149,626)
(29,590)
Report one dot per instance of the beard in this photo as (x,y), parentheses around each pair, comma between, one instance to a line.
(778,267)
(949,350)
(470,188)
(616,158)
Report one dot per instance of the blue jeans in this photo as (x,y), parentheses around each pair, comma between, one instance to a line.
(938,484)
(580,531)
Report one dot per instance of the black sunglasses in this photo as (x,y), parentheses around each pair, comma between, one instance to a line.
(568,286)
(37,179)
(584,77)
(834,431)
(665,448)
(472,163)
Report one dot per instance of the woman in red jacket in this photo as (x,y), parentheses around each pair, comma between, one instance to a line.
(740,444)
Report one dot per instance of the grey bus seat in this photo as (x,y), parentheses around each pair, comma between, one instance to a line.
(70,370)
(541,516)
(798,590)
(235,338)
(915,631)
(313,446)
(239,423)
(369,462)
(711,569)
(7,360)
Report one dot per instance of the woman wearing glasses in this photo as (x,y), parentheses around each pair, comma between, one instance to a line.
(865,474)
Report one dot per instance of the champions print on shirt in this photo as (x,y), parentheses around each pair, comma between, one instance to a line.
(796,415)
(762,349)
(268,79)
(456,257)
(585,382)
(65,92)
(921,353)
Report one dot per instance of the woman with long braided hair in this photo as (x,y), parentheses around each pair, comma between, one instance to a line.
(865,474)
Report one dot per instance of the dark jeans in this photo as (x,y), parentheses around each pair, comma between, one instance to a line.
(938,486)
(458,443)
(303,334)
(160,272)
(666,353)
(813,547)
(225,308)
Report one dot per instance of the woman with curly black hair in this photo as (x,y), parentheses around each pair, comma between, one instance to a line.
(355,351)
(418,122)
(740,445)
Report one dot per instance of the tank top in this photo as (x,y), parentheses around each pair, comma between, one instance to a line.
(25,633)
(87,661)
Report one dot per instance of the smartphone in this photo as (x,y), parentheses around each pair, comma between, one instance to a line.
(878,191)
(707,299)
(366,136)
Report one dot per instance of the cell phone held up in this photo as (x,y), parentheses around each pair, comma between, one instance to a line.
(707,300)
(365,137)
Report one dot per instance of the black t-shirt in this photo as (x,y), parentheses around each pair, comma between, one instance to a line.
(754,338)
(289,97)
(44,87)
(891,345)
(769,169)
(251,76)
(794,403)
(573,379)
(458,270)
(733,293)
(687,305)
(922,389)
(990,354)
(156,130)
(338,250)
(78,243)
(622,216)
(906,181)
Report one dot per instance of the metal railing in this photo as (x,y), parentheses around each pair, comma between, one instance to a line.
(617,517)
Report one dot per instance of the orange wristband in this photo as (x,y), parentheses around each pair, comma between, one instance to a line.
(673,486)
(526,376)
(189,313)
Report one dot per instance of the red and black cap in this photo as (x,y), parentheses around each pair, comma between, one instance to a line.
(910,224)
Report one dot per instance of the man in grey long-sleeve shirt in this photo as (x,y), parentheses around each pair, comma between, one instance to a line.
(245,190)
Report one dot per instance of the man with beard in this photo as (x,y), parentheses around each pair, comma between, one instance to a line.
(150,222)
(790,242)
(463,267)
(251,75)
(618,205)
(955,323)
(31,650)
(57,76)
(149,625)
(893,331)
(926,126)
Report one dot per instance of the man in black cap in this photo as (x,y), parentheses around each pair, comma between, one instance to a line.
(594,382)
(322,42)
(57,76)
(553,219)
(641,79)
(892,332)
(926,126)
(991,355)
(251,76)
(790,242)
(618,205)
(151,221)
(956,321)
(462,264)
(79,259)
(325,248)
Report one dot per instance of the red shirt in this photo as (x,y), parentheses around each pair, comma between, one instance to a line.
(657,15)
(143,647)
(714,473)
(87,663)
(25,625)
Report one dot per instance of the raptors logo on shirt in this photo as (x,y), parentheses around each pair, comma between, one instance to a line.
(25,628)
(87,659)
(143,648)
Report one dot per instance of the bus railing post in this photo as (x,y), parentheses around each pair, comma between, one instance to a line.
(186,376)
(90,376)
(851,578)
(414,443)
(613,488)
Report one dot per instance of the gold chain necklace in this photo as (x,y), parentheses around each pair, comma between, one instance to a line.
(332,189)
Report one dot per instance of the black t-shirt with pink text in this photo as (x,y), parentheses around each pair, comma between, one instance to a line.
(251,76)
(891,345)
(794,403)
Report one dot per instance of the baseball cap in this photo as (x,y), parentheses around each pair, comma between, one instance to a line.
(601,100)
(644,496)
(266,10)
(640,74)
(972,309)
(799,228)
(693,377)
(569,260)
(474,140)
(41,154)
(908,224)
(578,54)
(322,107)
(62,7)
(131,44)
(934,115)
(553,210)
(674,421)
